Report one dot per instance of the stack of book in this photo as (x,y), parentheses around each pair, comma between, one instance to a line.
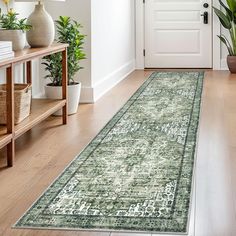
(6,51)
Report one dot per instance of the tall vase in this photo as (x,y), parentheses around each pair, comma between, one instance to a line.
(43,30)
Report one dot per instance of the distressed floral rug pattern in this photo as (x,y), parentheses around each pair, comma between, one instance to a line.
(137,172)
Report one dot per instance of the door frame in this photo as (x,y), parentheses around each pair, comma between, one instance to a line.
(140,36)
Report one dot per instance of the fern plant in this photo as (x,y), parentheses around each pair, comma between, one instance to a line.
(227,17)
(68,31)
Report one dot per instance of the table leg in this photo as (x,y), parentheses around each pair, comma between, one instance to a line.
(64,85)
(29,72)
(10,115)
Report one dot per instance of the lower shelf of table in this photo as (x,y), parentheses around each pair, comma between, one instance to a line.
(4,138)
(40,110)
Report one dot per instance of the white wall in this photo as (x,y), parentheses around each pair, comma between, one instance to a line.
(110,42)
(113,42)
(224,51)
(79,10)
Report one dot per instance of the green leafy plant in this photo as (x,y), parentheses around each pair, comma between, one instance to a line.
(68,31)
(10,21)
(227,17)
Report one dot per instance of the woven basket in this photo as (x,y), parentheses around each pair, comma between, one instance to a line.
(22,95)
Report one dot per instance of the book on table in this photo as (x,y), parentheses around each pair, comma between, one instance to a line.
(7,55)
(6,50)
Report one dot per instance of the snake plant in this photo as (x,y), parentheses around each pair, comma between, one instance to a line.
(227,17)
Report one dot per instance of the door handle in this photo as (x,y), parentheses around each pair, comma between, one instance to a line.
(205,17)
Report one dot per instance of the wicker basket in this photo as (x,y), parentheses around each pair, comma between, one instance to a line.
(22,95)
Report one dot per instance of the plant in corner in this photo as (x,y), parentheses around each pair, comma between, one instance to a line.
(12,28)
(68,31)
(227,17)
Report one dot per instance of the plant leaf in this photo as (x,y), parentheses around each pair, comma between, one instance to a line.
(226,42)
(228,11)
(223,18)
(232,5)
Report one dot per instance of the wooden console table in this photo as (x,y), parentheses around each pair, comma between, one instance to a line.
(40,108)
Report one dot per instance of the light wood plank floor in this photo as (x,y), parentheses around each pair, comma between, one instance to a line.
(45,151)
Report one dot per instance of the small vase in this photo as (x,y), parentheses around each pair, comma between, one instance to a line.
(231,61)
(17,37)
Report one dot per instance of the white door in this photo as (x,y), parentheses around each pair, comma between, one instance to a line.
(176,35)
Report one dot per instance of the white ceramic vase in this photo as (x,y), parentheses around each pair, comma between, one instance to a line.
(42,33)
(17,37)
(55,92)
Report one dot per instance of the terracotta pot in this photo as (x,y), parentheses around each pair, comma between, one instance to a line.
(17,37)
(231,61)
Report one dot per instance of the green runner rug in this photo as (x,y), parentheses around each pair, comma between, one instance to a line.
(137,172)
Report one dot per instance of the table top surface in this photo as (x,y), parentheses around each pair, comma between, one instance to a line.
(31,53)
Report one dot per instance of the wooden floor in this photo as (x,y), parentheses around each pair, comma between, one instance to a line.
(44,152)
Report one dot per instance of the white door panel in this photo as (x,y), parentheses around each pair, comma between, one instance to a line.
(177,41)
(175,35)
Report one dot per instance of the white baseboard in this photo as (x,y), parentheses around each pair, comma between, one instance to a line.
(91,95)
(86,95)
(113,79)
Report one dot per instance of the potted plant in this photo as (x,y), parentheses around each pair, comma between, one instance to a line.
(12,28)
(68,31)
(227,17)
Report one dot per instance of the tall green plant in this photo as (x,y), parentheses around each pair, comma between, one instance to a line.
(68,31)
(227,17)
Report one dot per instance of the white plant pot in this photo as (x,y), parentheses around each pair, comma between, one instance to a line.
(17,37)
(55,92)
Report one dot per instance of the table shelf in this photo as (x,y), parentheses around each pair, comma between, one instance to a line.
(41,108)
(4,137)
